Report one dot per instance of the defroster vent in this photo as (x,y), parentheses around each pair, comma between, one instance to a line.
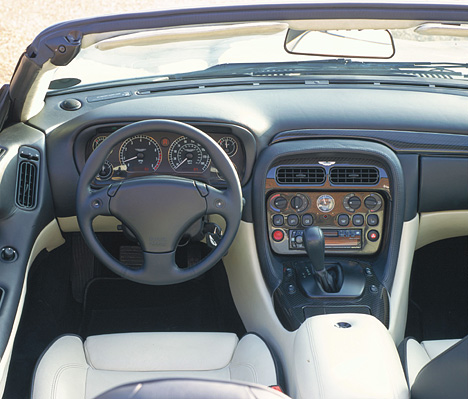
(300,175)
(354,175)
(27,178)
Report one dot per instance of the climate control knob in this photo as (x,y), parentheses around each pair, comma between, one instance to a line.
(299,202)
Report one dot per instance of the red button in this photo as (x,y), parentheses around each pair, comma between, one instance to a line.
(373,235)
(278,235)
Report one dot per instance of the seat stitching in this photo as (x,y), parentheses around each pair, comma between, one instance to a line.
(59,373)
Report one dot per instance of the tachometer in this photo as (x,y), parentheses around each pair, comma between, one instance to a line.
(186,155)
(140,154)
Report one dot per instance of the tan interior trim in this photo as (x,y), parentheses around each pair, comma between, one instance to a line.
(49,239)
(252,299)
(435,226)
(399,295)
(100,224)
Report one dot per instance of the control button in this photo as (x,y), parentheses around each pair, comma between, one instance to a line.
(373,202)
(358,220)
(278,220)
(299,240)
(372,220)
(354,202)
(278,235)
(368,271)
(8,254)
(373,235)
(307,220)
(280,202)
(293,220)
(343,219)
(373,289)
(297,202)
(291,289)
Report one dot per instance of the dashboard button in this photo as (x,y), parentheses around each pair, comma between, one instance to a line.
(373,202)
(297,202)
(354,202)
(307,220)
(278,235)
(280,202)
(358,220)
(293,220)
(343,219)
(372,220)
(278,220)
(373,235)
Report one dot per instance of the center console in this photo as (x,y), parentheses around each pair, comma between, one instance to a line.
(327,221)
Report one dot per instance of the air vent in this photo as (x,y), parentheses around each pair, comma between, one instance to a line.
(305,175)
(28,172)
(354,176)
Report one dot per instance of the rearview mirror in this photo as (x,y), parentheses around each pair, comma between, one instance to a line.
(365,43)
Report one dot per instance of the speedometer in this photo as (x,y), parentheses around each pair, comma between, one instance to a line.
(140,154)
(186,155)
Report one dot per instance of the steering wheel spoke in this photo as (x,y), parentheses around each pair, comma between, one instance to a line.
(95,203)
(222,202)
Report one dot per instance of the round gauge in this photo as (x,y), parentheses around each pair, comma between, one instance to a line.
(98,140)
(106,171)
(140,154)
(325,203)
(186,155)
(229,145)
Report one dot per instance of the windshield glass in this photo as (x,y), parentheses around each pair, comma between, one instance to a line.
(190,52)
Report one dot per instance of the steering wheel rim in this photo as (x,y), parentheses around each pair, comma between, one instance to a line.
(129,200)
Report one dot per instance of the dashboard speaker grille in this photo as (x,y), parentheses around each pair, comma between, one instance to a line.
(354,175)
(297,175)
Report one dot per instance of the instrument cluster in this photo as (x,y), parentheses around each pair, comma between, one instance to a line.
(165,153)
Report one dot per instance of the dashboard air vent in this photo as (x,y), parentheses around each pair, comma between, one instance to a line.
(300,175)
(27,178)
(354,175)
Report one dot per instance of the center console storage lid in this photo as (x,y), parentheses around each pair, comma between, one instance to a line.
(347,356)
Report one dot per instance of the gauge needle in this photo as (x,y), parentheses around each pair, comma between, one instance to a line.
(130,159)
(181,163)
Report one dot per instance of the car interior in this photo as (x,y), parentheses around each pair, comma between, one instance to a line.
(286,227)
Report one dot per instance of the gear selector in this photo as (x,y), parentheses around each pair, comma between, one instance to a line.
(314,243)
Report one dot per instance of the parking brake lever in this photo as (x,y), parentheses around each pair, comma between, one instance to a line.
(314,243)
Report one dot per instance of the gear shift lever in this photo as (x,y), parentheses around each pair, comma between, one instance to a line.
(314,243)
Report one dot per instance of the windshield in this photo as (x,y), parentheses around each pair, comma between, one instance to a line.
(431,51)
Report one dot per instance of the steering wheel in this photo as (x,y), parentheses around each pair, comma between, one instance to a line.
(158,209)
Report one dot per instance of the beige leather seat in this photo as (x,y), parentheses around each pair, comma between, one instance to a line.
(73,369)
(436,369)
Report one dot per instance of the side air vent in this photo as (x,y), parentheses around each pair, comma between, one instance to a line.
(27,178)
(298,175)
(354,175)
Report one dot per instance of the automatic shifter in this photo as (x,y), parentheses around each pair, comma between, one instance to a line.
(314,243)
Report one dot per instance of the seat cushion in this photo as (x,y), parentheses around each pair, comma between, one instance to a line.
(415,355)
(75,370)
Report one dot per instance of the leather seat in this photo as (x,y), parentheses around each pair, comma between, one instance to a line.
(436,369)
(73,369)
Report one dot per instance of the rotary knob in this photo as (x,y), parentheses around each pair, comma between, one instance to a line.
(299,202)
